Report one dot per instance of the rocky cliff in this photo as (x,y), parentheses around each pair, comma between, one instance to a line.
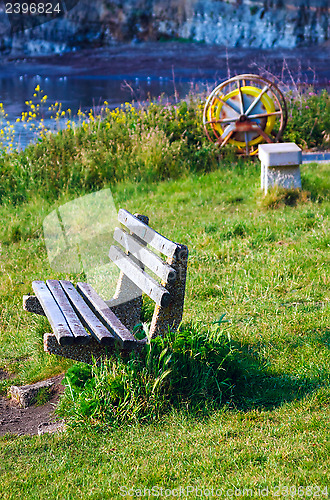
(233,23)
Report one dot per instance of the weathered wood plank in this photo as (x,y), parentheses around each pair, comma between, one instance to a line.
(146,283)
(79,332)
(144,255)
(87,317)
(150,236)
(127,300)
(108,318)
(54,314)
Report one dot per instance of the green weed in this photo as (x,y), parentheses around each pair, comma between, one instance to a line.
(43,396)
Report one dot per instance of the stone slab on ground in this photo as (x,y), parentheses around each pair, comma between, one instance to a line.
(26,395)
(20,421)
(51,427)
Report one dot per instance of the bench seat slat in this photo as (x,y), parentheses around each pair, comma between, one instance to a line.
(108,318)
(54,314)
(87,317)
(80,335)
(144,255)
(146,283)
(147,234)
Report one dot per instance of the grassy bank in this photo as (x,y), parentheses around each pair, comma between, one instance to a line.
(261,261)
(266,269)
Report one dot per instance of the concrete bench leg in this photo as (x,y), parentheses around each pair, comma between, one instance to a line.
(171,316)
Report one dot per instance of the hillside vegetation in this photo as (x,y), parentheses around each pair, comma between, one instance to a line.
(136,143)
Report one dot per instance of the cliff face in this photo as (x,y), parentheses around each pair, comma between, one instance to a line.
(241,23)
(260,24)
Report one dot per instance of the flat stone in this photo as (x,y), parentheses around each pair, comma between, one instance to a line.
(280,154)
(26,394)
(51,427)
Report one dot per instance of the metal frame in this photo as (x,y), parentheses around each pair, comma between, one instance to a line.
(245,120)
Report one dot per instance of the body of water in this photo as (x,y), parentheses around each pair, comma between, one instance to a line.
(83,92)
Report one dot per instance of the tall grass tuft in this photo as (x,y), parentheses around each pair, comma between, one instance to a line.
(185,369)
(277,197)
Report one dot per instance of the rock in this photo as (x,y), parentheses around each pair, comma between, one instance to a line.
(51,427)
(5,375)
(230,23)
(27,395)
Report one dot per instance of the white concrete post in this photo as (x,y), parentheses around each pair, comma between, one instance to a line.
(280,164)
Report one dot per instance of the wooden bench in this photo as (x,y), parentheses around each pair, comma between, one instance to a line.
(85,326)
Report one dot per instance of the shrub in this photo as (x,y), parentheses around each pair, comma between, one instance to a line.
(308,119)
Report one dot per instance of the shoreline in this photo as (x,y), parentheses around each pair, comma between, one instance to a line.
(185,60)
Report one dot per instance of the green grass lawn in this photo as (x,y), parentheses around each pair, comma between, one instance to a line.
(267,269)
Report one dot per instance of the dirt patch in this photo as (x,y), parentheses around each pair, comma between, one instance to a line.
(5,375)
(16,420)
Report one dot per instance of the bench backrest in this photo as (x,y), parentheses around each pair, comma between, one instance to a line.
(132,261)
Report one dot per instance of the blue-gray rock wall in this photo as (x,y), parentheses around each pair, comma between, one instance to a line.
(233,23)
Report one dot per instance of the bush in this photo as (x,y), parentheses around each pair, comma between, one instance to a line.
(308,119)
(140,144)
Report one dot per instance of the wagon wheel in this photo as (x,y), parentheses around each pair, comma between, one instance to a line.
(245,111)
